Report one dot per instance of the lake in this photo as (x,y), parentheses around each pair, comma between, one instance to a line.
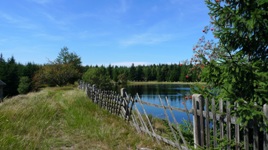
(174,92)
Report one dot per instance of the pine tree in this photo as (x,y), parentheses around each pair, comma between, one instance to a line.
(12,77)
(236,67)
(132,73)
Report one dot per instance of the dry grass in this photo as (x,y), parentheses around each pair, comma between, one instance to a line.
(64,118)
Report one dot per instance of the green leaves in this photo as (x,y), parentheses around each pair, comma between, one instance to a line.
(66,69)
(24,85)
(261,2)
(240,70)
(99,77)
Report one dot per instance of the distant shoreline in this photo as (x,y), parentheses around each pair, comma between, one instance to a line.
(156,82)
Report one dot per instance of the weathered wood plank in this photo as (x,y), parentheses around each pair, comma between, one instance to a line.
(170,126)
(265,133)
(219,117)
(110,101)
(207,127)
(131,107)
(201,106)
(221,120)
(135,122)
(164,107)
(246,139)
(146,116)
(228,124)
(199,130)
(162,139)
(141,120)
(177,125)
(256,145)
(214,123)
(195,122)
(237,134)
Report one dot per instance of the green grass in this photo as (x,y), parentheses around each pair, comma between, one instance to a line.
(64,118)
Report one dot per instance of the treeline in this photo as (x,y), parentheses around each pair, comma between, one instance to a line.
(160,72)
(12,72)
(67,69)
(105,76)
(23,78)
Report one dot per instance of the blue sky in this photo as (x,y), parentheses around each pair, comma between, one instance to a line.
(102,32)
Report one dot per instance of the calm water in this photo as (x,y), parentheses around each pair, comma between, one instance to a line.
(175,94)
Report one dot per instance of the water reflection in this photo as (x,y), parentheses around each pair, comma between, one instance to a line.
(175,93)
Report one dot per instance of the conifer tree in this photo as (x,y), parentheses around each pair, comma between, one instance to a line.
(236,66)
(11,77)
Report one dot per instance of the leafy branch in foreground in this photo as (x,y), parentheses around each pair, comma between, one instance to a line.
(234,64)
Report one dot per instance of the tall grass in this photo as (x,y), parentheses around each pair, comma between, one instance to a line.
(64,118)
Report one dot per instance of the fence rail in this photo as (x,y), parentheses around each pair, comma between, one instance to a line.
(145,124)
(109,100)
(211,127)
(125,106)
(224,126)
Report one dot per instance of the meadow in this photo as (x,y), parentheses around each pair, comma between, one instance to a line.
(64,118)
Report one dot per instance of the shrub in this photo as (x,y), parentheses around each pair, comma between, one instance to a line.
(24,85)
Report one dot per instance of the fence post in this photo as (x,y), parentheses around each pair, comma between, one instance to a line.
(265,136)
(83,85)
(125,102)
(198,122)
(93,95)
(87,89)
(123,92)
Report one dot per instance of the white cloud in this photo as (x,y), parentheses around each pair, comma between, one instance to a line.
(146,39)
(50,37)
(60,23)
(3,41)
(124,5)
(8,18)
(128,64)
(42,2)
(17,21)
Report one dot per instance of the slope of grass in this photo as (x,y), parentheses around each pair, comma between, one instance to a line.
(64,118)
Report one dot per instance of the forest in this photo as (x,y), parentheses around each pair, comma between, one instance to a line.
(67,69)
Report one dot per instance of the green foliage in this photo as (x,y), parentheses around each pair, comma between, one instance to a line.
(66,69)
(66,57)
(122,79)
(24,85)
(236,66)
(9,74)
(161,72)
(132,73)
(11,71)
(187,132)
(71,59)
(99,77)
(56,75)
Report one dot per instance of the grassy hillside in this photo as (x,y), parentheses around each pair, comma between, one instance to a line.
(64,118)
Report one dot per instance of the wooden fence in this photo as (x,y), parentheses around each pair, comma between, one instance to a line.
(211,128)
(109,100)
(126,107)
(144,124)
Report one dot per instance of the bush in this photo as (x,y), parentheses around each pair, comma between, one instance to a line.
(99,77)
(24,85)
